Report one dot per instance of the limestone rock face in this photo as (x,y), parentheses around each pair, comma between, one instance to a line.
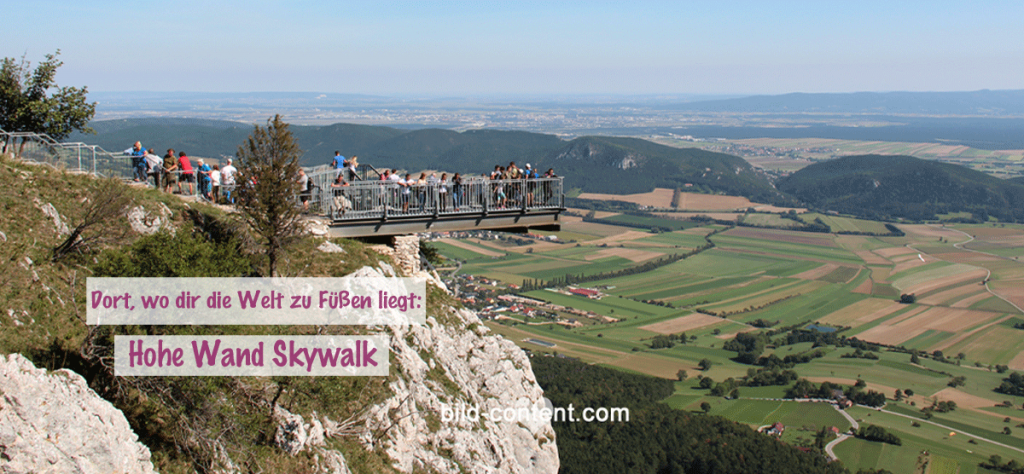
(148,222)
(51,213)
(54,423)
(456,366)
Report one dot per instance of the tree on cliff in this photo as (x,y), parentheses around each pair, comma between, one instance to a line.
(269,164)
(27,105)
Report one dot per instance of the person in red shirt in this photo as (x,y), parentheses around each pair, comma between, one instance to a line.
(187,174)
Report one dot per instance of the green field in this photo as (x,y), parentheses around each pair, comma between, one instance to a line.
(847,224)
(647,222)
(769,220)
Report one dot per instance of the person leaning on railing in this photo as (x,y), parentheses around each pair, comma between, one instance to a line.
(138,155)
(203,170)
(170,170)
(457,191)
(341,202)
(442,191)
(153,165)
(405,185)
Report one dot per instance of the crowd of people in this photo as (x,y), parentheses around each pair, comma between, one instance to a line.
(510,187)
(507,186)
(209,183)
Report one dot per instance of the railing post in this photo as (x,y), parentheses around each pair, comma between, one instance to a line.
(485,186)
(522,194)
(436,198)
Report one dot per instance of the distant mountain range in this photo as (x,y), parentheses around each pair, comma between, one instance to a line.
(981,103)
(877,186)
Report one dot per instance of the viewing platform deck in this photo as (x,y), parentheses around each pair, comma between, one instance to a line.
(380,208)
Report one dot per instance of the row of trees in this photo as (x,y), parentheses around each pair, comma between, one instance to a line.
(877,433)
(804,388)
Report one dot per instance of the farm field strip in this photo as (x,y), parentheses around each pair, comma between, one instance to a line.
(862,312)
(898,330)
(969,301)
(937,277)
(882,325)
(766,296)
(842,274)
(705,286)
(736,292)
(953,295)
(915,264)
(786,251)
(685,323)
(708,291)
(994,343)
(778,236)
(476,250)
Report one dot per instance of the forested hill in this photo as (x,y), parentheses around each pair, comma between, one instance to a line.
(593,164)
(876,186)
(656,438)
(630,165)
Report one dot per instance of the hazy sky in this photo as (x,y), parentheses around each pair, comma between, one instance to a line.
(487,47)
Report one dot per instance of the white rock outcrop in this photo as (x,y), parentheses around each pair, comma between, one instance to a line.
(51,213)
(54,423)
(451,366)
(149,222)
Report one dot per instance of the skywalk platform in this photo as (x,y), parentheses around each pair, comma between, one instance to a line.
(382,208)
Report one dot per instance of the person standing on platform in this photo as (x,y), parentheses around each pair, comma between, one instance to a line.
(339,163)
(353,169)
(170,169)
(153,165)
(187,174)
(215,179)
(227,178)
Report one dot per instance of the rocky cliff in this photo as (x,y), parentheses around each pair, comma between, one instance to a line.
(445,366)
(53,422)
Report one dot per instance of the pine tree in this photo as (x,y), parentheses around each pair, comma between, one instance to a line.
(269,164)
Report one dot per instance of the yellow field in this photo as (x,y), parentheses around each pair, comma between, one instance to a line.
(862,312)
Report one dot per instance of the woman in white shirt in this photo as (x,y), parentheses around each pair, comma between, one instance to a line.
(215,180)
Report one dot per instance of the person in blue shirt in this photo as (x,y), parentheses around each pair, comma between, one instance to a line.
(138,155)
(339,163)
(204,179)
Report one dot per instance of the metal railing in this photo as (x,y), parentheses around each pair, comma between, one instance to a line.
(366,198)
(386,199)
(71,156)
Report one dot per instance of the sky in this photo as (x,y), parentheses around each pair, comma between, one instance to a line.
(487,47)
